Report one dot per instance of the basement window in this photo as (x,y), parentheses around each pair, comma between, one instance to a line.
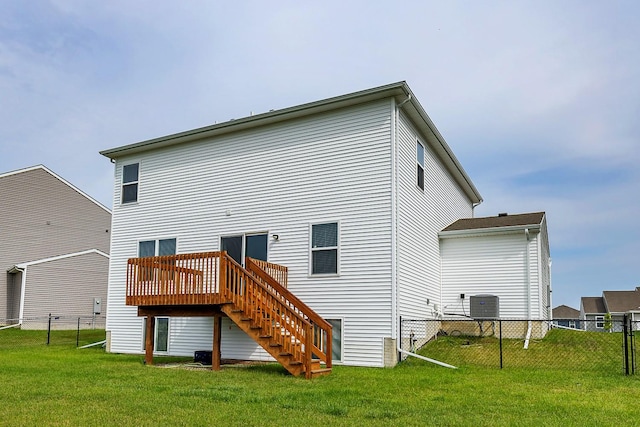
(420,164)
(130,183)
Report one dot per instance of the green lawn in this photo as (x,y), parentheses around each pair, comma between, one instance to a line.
(60,385)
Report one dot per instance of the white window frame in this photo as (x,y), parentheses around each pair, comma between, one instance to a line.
(155,334)
(124,184)
(325,248)
(572,324)
(599,322)
(420,165)
(156,249)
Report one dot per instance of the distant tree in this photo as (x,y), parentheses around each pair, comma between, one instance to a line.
(608,323)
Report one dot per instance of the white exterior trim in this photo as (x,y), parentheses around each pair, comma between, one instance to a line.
(56,258)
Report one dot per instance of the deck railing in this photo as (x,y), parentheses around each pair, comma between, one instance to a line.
(185,279)
(279,272)
(321,338)
(211,278)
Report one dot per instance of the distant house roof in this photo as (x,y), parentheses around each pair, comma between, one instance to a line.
(622,301)
(565,312)
(400,91)
(502,220)
(593,305)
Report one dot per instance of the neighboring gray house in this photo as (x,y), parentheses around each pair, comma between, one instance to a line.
(506,256)
(592,312)
(617,303)
(54,251)
(563,315)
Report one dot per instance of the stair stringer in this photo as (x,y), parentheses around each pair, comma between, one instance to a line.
(265,339)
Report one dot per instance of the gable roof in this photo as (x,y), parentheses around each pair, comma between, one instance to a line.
(50,172)
(565,312)
(621,301)
(593,305)
(400,92)
(502,220)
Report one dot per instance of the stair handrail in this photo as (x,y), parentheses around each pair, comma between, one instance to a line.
(296,305)
(249,290)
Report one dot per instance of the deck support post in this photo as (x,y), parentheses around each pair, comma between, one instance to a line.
(148,343)
(217,343)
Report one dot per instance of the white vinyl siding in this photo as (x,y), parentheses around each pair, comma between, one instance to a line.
(494,264)
(280,178)
(421,215)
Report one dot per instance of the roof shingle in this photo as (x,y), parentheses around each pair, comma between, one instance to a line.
(534,218)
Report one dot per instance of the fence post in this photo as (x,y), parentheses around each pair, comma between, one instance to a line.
(625,335)
(49,330)
(500,325)
(78,334)
(399,344)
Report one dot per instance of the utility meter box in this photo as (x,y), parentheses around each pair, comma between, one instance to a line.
(97,305)
(484,306)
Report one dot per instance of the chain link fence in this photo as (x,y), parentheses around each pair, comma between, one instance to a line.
(52,330)
(509,343)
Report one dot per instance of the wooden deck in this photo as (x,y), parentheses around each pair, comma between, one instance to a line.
(254,297)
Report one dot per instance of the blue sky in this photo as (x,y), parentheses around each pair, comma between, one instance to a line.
(540,100)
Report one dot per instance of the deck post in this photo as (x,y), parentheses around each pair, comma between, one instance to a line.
(217,341)
(148,343)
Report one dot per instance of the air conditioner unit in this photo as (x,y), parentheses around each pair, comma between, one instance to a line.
(484,306)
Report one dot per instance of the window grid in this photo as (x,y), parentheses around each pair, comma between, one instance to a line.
(324,248)
(600,322)
(130,174)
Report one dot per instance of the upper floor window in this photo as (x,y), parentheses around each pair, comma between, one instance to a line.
(324,248)
(130,183)
(420,164)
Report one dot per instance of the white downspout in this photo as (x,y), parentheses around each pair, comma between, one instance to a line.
(437,362)
(394,308)
(528,282)
(394,217)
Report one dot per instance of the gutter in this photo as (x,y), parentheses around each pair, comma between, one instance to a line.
(488,230)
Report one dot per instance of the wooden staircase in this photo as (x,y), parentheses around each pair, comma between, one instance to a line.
(280,323)
(254,297)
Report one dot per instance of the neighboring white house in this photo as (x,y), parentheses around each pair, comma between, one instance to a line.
(506,256)
(349,193)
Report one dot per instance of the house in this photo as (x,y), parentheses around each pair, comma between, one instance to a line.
(506,256)
(616,303)
(592,312)
(343,198)
(55,244)
(566,316)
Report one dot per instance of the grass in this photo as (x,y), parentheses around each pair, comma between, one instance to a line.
(560,349)
(62,386)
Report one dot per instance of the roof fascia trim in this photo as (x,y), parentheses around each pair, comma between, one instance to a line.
(24,265)
(488,230)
